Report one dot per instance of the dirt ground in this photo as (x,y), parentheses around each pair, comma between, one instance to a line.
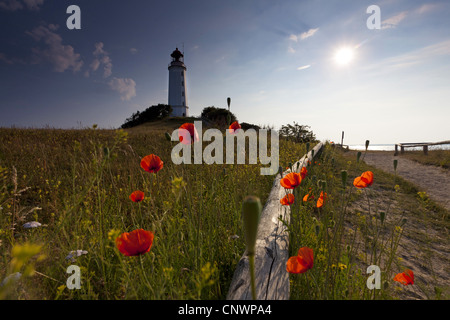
(424,246)
(433,180)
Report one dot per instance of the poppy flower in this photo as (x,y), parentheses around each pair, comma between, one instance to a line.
(135,243)
(234,127)
(287,199)
(291,180)
(363,181)
(137,196)
(151,163)
(308,197)
(187,133)
(302,262)
(405,278)
(321,200)
(303,172)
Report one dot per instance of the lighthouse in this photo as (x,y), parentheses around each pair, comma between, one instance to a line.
(177,85)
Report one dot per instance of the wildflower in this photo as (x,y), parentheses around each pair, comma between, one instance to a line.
(321,200)
(187,133)
(32,224)
(303,172)
(234,127)
(405,278)
(363,181)
(151,163)
(137,196)
(308,197)
(302,262)
(287,199)
(135,243)
(291,180)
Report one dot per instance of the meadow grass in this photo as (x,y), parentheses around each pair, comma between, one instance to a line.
(435,157)
(77,183)
(357,228)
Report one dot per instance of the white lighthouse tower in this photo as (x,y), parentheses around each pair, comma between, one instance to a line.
(177,85)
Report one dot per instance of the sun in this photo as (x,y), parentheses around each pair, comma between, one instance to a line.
(344,56)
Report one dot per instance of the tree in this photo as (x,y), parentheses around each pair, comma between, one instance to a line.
(297,133)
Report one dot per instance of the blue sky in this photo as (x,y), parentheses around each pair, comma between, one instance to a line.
(275,59)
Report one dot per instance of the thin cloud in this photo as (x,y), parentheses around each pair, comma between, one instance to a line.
(303,35)
(392,22)
(412,58)
(62,57)
(101,58)
(14,5)
(133,50)
(125,86)
(304,67)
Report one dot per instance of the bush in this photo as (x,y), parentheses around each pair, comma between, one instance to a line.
(152,113)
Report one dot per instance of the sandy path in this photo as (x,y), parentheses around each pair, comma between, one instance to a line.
(433,180)
(424,245)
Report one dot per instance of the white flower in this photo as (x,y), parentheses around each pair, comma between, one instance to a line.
(33,224)
(75,254)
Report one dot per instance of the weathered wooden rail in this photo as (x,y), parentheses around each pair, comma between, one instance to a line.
(272,244)
(425,146)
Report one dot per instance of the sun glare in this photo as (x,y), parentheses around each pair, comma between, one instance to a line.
(344,56)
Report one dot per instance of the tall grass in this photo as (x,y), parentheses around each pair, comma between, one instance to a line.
(76,183)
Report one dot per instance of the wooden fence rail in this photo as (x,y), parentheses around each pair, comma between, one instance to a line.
(272,244)
(425,146)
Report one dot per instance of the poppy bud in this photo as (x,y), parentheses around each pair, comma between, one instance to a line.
(317,229)
(367,144)
(358,156)
(344,175)
(168,137)
(395,164)
(251,210)
(382,216)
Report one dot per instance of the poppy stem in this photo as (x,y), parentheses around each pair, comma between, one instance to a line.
(251,259)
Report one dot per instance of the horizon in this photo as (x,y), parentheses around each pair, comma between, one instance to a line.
(313,62)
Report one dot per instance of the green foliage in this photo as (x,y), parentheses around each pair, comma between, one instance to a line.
(219,116)
(297,133)
(153,113)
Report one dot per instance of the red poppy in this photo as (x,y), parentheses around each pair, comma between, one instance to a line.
(135,243)
(363,181)
(287,199)
(303,172)
(137,196)
(308,197)
(321,200)
(234,127)
(291,180)
(151,163)
(405,278)
(302,262)
(187,133)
